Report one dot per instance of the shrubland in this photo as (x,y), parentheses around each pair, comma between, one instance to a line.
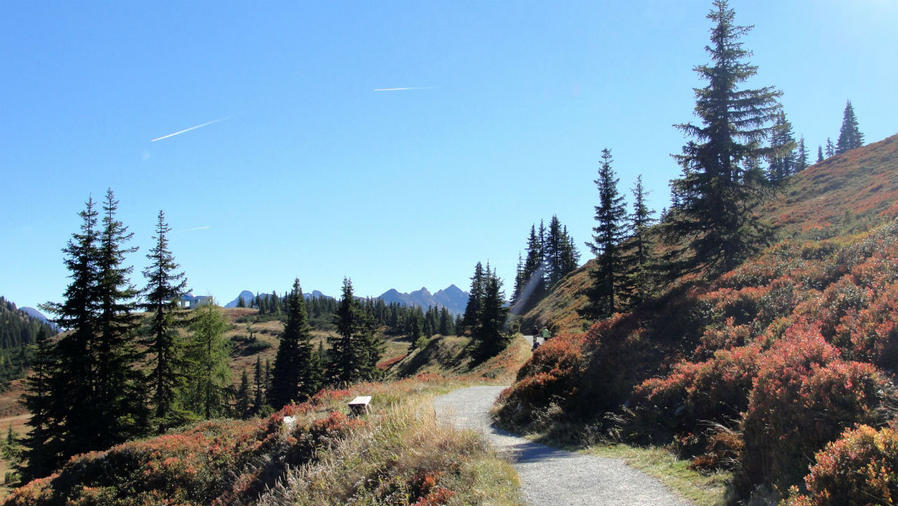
(757,369)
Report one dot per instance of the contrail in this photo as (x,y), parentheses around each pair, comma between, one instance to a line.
(179,132)
(194,229)
(404,89)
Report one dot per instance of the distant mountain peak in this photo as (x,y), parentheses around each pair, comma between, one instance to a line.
(451,297)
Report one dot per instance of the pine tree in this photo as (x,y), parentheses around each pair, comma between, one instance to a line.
(819,154)
(850,136)
(208,355)
(802,161)
(640,261)
(719,186)
(782,156)
(830,148)
(291,377)
(166,367)
(607,235)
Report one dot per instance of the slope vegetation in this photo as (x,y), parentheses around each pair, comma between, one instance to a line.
(758,369)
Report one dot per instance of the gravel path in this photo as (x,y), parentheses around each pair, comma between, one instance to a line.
(548,475)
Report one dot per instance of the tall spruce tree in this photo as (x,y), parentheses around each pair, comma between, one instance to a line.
(819,154)
(802,158)
(610,216)
(292,376)
(492,316)
(850,136)
(63,394)
(119,381)
(641,262)
(720,185)
(533,284)
(164,345)
(553,252)
(475,299)
(782,159)
(344,366)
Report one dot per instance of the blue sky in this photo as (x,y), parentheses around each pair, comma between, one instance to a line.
(310,172)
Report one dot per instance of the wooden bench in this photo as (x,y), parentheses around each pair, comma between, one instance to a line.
(359,405)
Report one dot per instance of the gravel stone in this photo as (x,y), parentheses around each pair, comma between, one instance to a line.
(550,476)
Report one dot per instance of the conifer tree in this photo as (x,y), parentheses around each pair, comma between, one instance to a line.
(641,261)
(475,299)
(553,252)
(344,366)
(802,160)
(719,185)
(491,317)
(519,281)
(830,148)
(291,379)
(607,235)
(533,284)
(243,407)
(850,136)
(166,371)
(782,154)
(445,322)
(208,358)
(43,451)
(258,387)
(819,154)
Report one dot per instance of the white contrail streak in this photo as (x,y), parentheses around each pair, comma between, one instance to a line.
(179,132)
(194,229)
(404,89)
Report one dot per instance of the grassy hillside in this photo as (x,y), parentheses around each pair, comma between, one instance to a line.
(453,355)
(310,453)
(756,370)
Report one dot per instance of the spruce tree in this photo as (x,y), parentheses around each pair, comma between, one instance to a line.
(640,261)
(819,154)
(802,160)
(344,366)
(258,387)
(208,357)
(719,186)
(43,449)
(608,232)
(830,148)
(491,318)
(475,299)
(532,275)
(782,157)
(242,408)
(553,252)
(291,377)
(118,379)
(164,345)
(850,136)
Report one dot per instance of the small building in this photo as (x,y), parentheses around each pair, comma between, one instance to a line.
(191,301)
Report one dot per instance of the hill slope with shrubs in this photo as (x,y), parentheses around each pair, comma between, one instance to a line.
(757,369)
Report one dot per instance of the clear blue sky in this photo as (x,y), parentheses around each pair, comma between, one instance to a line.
(313,173)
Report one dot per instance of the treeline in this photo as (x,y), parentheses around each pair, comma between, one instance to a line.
(551,255)
(18,333)
(393,319)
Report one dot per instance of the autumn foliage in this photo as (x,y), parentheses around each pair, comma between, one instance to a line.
(759,368)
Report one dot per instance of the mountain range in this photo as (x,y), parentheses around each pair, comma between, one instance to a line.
(452,298)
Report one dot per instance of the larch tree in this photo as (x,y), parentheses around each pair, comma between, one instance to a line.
(208,355)
(720,183)
(850,136)
(164,344)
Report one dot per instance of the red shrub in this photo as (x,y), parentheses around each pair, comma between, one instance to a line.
(803,397)
(859,468)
